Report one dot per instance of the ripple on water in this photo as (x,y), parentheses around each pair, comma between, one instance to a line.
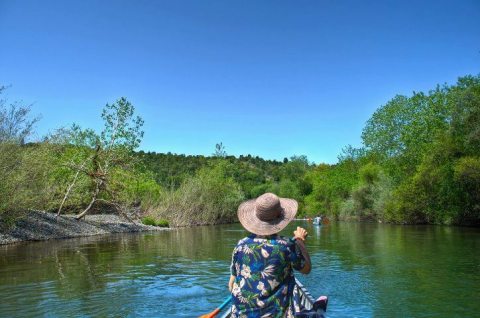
(349,289)
(366,270)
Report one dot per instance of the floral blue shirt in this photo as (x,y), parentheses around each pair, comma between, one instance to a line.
(264,281)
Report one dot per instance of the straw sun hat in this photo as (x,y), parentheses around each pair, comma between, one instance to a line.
(268,214)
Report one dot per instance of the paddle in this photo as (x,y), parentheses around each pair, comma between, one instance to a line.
(216,311)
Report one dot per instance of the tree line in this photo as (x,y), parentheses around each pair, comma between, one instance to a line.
(419,163)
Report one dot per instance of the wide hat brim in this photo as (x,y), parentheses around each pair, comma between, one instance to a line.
(250,221)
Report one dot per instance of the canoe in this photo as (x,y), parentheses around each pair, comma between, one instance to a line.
(310,308)
(317,220)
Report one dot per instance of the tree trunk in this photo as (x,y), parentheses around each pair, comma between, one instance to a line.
(94,198)
(67,193)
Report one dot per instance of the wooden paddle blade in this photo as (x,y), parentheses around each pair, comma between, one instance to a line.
(211,315)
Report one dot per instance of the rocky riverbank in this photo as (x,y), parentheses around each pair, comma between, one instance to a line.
(38,226)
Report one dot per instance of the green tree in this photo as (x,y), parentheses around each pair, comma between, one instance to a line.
(465,127)
(23,167)
(98,157)
(16,124)
(220,151)
(439,185)
(332,186)
(466,175)
(401,132)
(370,195)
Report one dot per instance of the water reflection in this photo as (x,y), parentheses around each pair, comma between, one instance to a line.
(366,269)
(403,270)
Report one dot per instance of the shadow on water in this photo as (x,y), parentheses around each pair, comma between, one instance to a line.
(367,270)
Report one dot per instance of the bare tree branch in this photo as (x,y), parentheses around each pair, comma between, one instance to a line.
(68,192)
(94,198)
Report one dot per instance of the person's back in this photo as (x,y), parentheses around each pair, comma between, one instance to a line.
(262,279)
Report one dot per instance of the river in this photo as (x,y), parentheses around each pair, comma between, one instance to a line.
(367,270)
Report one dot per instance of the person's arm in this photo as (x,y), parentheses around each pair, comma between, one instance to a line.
(233,269)
(230,282)
(308,264)
(300,234)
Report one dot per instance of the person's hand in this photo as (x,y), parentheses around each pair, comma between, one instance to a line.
(300,233)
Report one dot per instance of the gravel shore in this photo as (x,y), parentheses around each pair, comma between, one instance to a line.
(38,226)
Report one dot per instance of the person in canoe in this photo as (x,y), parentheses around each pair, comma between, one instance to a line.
(262,280)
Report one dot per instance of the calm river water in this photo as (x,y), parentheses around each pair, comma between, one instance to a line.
(367,270)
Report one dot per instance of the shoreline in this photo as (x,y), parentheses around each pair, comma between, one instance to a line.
(42,226)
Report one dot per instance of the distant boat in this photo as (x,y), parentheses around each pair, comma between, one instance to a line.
(317,221)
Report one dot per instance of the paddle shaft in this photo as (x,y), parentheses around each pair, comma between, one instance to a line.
(216,311)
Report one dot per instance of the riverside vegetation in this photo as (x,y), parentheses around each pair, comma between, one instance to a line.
(419,163)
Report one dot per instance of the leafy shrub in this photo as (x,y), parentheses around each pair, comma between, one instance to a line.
(148,220)
(467,178)
(163,223)
(331,187)
(25,172)
(210,197)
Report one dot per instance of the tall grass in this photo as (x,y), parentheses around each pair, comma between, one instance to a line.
(210,197)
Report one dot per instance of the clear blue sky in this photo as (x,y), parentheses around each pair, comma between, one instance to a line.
(267,78)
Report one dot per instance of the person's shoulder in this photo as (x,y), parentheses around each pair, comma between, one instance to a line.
(244,240)
(240,244)
(284,240)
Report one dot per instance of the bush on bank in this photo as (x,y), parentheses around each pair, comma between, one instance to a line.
(210,197)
